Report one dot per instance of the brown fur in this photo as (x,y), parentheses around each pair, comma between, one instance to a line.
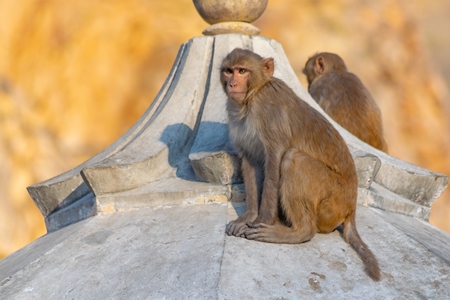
(344,98)
(299,176)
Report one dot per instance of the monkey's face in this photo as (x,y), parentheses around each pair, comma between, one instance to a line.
(235,81)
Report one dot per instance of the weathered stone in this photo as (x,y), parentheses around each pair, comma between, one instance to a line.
(100,260)
(179,252)
(212,156)
(215,11)
(84,208)
(155,151)
(231,27)
(419,185)
(326,267)
(367,166)
(380,197)
(170,191)
(69,187)
(218,168)
(58,192)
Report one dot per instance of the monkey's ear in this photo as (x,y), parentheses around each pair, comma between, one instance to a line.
(269,67)
(320,65)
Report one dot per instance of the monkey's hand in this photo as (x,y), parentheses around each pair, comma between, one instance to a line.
(238,226)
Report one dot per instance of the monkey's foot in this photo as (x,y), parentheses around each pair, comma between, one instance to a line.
(276,234)
(236,228)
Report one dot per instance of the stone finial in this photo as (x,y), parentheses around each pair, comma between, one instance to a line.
(231,16)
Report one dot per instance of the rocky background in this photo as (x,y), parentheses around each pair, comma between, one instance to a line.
(74,76)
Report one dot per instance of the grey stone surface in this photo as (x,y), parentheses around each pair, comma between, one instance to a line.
(212,156)
(169,253)
(218,167)
(182,252)
(172,191)
(327,268)
(418,185)
(58,192)
(380,197)
(231,27)
(367,166)
(84,208)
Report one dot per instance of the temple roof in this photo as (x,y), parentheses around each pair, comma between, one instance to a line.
(182,252)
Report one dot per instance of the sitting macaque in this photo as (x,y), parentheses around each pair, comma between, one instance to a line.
(344,98)
(299,176)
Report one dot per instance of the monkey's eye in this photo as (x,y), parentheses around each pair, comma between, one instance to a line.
(242,71)
(228,71)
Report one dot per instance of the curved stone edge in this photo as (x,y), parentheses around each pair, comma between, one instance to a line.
(409,181)
(163,193)
(212,156)
(232,27)
(422,189)
(213,12)
(62,190)
(122,170)
(382,198)
(153,154)
(82,209)
(52,196)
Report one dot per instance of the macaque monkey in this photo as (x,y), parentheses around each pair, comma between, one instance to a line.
(344,98)
(299,176)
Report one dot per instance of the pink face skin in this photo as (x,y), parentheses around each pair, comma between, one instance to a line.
(237,78)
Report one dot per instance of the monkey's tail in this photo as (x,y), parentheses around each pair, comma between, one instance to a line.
(352,237)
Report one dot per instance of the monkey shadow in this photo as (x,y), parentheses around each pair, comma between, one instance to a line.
(178,138)
(239,207)
(340,229)
(182,141)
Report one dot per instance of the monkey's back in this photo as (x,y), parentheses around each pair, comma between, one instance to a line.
(301,127)
(347,101)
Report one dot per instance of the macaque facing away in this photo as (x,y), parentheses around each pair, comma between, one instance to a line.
(344,98)
(299,176)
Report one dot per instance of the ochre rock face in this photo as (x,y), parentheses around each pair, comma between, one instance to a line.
(74,77)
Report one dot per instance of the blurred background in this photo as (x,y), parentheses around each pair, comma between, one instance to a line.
(75,75)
